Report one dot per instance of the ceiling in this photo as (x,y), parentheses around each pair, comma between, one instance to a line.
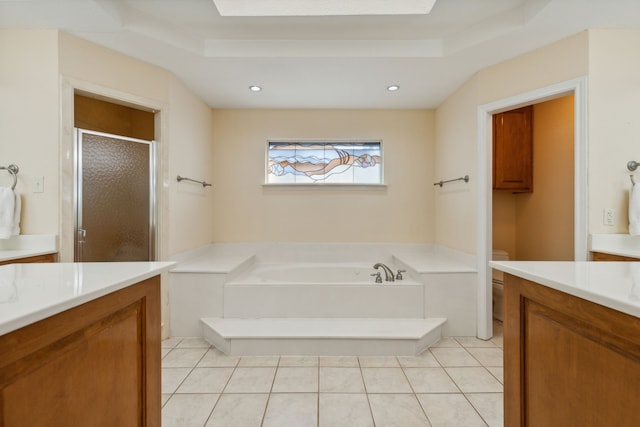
(322,61)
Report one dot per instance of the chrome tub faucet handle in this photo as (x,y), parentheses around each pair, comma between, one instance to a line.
(388,274)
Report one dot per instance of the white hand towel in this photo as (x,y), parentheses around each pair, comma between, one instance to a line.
(634,210)
(16,215)
(7,211)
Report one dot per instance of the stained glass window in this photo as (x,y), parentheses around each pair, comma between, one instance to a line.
(324,163)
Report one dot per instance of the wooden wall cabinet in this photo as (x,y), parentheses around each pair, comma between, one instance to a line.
(513,150)
(568,361)
(97,364)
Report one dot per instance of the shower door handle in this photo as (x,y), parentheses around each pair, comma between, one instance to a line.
(82,235)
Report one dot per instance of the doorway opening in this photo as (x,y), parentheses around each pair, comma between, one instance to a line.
(576,89)
(533,218)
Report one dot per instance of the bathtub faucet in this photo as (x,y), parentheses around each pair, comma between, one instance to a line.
(388,274)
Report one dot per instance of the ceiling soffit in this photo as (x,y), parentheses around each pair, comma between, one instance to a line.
(349,36)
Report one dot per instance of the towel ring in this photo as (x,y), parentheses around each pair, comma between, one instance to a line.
(13,170)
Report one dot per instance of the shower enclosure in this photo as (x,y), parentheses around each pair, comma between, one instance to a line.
(114,198)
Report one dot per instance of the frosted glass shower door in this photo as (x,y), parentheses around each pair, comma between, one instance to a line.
(115,203)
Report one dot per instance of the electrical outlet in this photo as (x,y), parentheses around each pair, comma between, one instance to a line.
(608,216)
(38,184)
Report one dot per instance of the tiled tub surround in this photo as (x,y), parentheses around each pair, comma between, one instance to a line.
(457,382)
(213,282)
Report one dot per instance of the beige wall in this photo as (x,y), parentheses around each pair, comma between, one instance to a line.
(29,124)
(608,58)
(544,218)
(456,155)
(36,127)
(410,209)
(614,124)
(184,133)
(245,210)
(108,69)
(190,154)
(456,124)
(539,225)
(558,62)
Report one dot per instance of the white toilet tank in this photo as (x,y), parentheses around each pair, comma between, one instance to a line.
(497,283)
(499,255)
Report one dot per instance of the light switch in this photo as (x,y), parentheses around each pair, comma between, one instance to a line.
(608,216)
(38,184)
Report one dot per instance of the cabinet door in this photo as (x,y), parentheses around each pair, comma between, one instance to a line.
(94,365)
(567,361)
(513,150)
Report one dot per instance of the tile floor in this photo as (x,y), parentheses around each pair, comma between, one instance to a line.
(457,382)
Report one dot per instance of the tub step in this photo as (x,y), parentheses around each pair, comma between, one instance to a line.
(320,336)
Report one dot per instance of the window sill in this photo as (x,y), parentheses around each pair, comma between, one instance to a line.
(341,187)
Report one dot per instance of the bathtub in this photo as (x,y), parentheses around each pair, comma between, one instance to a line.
(316,273)
(334,289)
(256,280)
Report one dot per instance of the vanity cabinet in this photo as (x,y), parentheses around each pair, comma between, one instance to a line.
(37,258)
(513,150)
(96,364)
(601,256)
(568,361)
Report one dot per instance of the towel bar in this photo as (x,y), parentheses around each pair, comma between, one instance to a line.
(441,183)
(13,170)
(182,178)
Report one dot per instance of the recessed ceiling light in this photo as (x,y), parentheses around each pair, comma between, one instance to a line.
(254,88)
(322,8)
(393,88)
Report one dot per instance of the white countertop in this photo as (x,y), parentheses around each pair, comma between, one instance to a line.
(27,245)
(32,292)
(615,285)
(615,244)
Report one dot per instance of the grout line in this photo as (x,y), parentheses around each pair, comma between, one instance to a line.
(465,394)
(223,388)
(475,409)
(415,395)
(366,392)
(273,380)
(187,376)
(318,395)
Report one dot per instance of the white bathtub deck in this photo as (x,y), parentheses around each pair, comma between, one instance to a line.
(322,336)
